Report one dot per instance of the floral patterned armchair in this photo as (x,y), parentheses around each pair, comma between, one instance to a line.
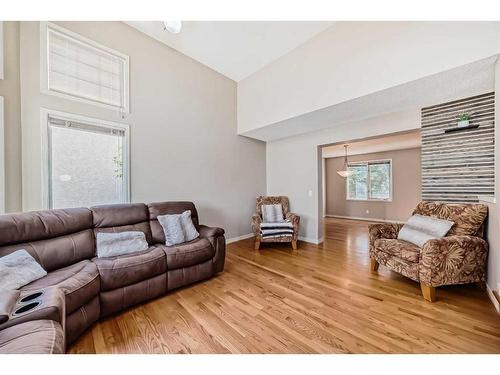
(458,258)
(257,220)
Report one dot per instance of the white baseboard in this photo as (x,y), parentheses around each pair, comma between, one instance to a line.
(365,219)
(250,235)
(235,239)
(493,298)
(315,241)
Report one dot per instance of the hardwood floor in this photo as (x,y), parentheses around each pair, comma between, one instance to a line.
(318,299)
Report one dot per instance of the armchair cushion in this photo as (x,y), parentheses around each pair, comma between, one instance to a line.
(420,229)
(263,200)
(272,213)
(453,260)
(399,248)
(468,218)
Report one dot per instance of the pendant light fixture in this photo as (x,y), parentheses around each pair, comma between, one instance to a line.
(345,172)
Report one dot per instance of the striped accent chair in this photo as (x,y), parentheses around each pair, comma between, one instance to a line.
(285,231)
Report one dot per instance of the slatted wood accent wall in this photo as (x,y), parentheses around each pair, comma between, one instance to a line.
(458,166)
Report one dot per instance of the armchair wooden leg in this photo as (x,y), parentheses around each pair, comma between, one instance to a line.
(429,292)
(294,244)
(257,244)
(373,265)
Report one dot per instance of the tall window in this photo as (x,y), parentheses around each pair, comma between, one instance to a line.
(81,69)
(371,180)
(87,162)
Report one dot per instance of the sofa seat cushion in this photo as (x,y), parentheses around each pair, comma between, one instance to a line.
(33,337)
(189,253)
(79,282)
(399,248)
(123,270)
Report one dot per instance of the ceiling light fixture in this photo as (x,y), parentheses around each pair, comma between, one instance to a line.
(172,26)
(345,172)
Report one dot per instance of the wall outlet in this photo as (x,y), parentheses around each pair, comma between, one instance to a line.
(367,212)
(310,193)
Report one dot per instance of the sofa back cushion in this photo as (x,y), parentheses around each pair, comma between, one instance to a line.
(55,238)
(169,208)
(468,218)
(115,218)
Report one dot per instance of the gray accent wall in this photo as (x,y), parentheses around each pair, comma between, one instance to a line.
(458,166)
(183,141)
(405,185)
(10,90)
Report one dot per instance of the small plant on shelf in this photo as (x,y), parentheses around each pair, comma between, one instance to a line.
(463,120)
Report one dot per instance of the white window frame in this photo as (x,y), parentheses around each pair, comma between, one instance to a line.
(44,67)
(368,199)
(45,132)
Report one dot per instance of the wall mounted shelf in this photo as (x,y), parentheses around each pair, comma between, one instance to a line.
(457,129)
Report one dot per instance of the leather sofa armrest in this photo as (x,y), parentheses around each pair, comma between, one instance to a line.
(206,231)
(216,238)
(453,260)
(8,301)
(51,306)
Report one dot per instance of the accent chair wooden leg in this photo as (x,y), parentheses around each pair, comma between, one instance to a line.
(429,292)
(294,244)
(373,265)
(257,244)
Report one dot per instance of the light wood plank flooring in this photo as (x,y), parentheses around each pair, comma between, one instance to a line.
(318,299)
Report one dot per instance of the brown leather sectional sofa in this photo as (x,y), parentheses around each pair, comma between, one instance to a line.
(63,242)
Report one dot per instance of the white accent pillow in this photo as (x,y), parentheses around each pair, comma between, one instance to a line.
(272,213)
(419,229)
(19,269)
(113,244)
(178,228)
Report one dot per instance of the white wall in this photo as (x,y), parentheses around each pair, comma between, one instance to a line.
(352,59)
(493,272)
(184,144)
(294,164)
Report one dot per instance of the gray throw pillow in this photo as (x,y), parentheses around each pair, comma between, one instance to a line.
(272,213)
(19,269)
(121,243)
(178,228)
(419,229)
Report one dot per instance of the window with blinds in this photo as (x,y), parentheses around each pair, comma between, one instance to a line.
(87,162)
(84,70)
(371,180)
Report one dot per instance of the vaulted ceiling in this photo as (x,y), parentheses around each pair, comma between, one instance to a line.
(235,49)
